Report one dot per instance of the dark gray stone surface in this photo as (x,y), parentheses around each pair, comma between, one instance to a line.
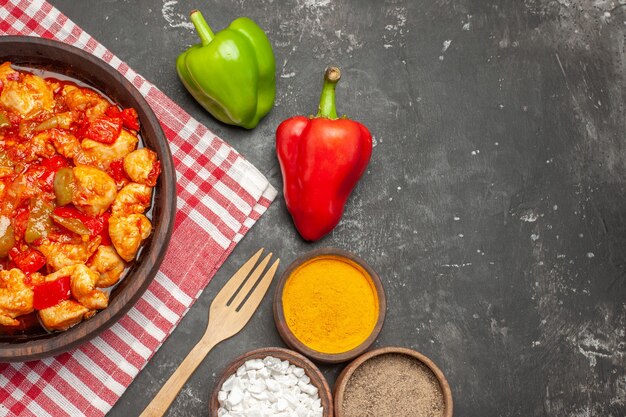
(494,207)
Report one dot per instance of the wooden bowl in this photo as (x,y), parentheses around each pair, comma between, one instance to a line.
(344,377)
(72,62)
(317,379)
(290,339)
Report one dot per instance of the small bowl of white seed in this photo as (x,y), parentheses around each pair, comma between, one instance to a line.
(273,382)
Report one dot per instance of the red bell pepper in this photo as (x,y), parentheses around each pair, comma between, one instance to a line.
(51,293)
(104,129)
(31,260)
(117,172)
(54,164)
(95,225)
(103,225)
(20,222)
(129,117)
(51,166)
(321,159)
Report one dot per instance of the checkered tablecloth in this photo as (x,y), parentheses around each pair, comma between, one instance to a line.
(220,196)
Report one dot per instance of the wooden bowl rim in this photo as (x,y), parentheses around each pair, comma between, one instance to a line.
(290,339)
(312,371)
(153,251)
(346,374)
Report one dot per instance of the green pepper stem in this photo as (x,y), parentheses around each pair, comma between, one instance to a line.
(202,27)
(327,99)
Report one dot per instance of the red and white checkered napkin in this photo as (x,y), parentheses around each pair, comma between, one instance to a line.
(220,196)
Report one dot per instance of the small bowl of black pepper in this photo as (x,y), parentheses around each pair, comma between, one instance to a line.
(392,381)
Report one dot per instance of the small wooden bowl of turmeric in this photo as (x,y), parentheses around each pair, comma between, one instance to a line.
(329,305)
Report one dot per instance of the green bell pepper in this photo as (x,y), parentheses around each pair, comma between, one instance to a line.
(232,73)
(7,236)
(4,120)
(39,222)
(63,186)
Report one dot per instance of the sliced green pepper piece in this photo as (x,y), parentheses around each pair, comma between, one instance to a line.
(39,222)
(232,73)
(73,225)
(7,237)
(64,186)
(4,120)
(62,120)
(4,159)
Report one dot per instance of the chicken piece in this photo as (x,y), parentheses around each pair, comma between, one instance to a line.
(59,255)
(77,98)
(64,315)
(6,172)
(108,264)
(83,99)
(97,111)
(100,155)
(4,158)
(142,166)
(29,97)
(46,144)
(82,285)
(16,298)
(5,71)
(24,187)
(39,146)
(132,199)
(36,278)
(127,232)
(64,142)
(95,190)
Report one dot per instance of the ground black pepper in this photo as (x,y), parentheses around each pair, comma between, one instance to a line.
(393,385)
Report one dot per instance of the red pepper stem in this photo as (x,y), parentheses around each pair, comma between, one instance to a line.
(327,107)
(202,27)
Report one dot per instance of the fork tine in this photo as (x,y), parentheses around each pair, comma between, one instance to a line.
(235,281)
(249,283)
(224,321)
(250,305)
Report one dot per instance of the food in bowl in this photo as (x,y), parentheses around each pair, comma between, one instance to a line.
(269,386)
(329,305)
(392,381)
(287,376)
(74,192)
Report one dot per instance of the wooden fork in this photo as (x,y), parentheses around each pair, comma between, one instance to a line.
(231,309)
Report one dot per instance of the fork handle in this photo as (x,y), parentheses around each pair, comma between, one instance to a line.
(164,398)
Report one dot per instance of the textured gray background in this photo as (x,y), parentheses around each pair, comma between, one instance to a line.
(494,207)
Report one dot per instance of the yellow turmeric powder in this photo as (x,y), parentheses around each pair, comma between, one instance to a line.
(330,304)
